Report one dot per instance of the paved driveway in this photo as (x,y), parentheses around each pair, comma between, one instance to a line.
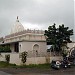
(4,73)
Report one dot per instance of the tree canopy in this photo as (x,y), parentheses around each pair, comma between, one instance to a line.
(58,36)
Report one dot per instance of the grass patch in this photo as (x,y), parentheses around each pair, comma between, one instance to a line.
(35,66)
(8,65)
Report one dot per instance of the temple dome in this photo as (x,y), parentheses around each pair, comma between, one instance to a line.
(17,27)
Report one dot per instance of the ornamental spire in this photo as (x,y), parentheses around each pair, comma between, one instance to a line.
(17,19)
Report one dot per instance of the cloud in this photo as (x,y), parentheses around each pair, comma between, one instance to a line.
(35,13)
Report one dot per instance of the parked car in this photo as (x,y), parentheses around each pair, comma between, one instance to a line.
(65,64)
(60,64)
(55,64)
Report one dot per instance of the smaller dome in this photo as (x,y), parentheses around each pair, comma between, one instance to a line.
(17,27)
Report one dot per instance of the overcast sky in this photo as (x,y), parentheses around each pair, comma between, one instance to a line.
(35,14)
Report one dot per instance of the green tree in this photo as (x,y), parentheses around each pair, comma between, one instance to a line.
(58,37)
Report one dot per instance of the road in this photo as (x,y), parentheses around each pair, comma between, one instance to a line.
(4,73)
(35,71)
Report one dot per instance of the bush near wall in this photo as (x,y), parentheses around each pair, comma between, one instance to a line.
(4,49)
(23,57)
(7,57)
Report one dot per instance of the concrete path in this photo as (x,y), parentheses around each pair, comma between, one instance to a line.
(4,73)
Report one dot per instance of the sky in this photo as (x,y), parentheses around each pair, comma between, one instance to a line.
(35,14)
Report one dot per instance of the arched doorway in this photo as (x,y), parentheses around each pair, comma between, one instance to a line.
(36,50)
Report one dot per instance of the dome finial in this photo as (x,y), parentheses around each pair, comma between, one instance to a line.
(17,17)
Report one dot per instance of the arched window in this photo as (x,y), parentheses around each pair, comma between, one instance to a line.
(36,49)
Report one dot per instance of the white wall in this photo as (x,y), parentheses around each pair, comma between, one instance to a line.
(36,60)
(15,59)
(28,46)
(56,58)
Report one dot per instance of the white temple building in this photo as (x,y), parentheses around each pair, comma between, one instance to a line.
(31,41)
(20,40)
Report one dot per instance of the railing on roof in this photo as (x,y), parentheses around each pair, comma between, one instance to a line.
(24,32)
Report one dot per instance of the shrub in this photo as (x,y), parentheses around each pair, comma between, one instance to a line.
(7,57)
(5,49)
(23,57)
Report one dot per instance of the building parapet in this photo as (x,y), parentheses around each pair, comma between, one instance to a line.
(25,32)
